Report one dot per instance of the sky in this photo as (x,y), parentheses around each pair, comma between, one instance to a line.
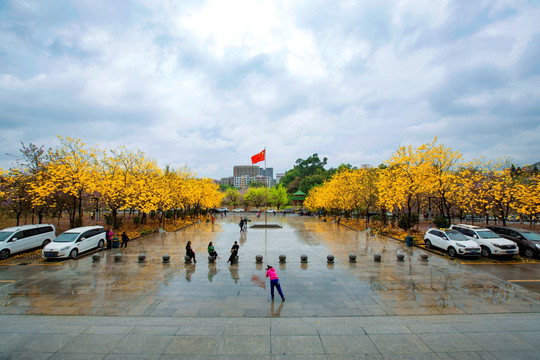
(208,84)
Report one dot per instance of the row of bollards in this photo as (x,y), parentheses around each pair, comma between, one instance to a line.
(259,258)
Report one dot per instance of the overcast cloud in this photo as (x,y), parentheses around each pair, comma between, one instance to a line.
(210,83)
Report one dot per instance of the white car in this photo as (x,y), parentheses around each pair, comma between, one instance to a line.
(237,210)
(20,238)
(451,241)
(74,242)
(271,211)
(490,243)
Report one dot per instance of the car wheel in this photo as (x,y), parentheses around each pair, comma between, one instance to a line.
(529,252)
(4,254)
(452,252)
(485,251)
(46,242)
(73,254)
(101,244)
(427,243)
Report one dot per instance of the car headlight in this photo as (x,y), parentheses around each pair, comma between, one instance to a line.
(64,248)
(537,245)
(460,245)
(497,245)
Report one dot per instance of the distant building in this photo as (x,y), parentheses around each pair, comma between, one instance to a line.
(279,176)
(241,170)
(228,181)
(267,172)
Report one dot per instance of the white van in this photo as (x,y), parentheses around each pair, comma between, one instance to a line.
(20,238)
(75,241)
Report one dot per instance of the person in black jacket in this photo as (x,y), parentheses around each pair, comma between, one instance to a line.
(125,239)
(190,252)
(234,252)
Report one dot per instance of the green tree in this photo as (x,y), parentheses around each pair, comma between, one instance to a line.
(278,196)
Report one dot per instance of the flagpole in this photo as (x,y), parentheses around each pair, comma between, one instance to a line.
(266,187)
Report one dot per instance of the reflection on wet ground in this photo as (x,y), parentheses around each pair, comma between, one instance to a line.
(364,288)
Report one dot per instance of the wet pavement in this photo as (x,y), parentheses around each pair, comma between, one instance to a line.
(223,310)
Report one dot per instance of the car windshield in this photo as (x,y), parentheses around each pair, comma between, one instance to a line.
(4,235)
(487,234)
(456,235)
(527,235)
(66,237)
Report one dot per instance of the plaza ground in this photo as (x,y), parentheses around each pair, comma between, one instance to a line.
(129,310)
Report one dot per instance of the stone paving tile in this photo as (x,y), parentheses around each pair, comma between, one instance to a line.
(399,344)
(245,345)
(516,355)
(297,345)
(355,357)
(448,342)
(24,355)
(76,356)
(154,330)
(479,355)
(63,329)
(100,330)
(91,344)
(411,356)
(194,345)
(499,341)
(348,344)
(140,356)
(530,337)
(151,344)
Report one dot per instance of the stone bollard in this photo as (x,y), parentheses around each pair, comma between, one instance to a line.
(96,258)
(117,257)
(166,258)
(400,257)
(259,259)
(352,258)
(142,258)
(187,259)
(211,259)
(423,256)
(303,259)
(377,257)
(330,258)
(282,259)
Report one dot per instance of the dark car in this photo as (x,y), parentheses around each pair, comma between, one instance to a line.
(287,211)
(527,241)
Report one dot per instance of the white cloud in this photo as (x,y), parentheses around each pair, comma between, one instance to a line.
(211,83)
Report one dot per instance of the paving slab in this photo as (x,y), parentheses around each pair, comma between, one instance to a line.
(80,309)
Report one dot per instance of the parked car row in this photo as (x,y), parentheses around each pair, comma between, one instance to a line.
(68,244)
(470,240)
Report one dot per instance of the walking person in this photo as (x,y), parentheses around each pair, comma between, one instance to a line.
(125,240)
(274,282)
(234,252)
(241,225)
(212,251)
(190,252)
(110,235)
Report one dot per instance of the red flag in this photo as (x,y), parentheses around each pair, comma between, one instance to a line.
(258,157)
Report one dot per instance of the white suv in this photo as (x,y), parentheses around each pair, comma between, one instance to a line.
(75,241)
(452,241)
(490,243)
(20,238)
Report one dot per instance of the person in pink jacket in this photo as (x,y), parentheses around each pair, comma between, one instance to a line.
(274,282)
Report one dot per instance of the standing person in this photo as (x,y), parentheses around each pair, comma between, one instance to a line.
(125,239)
(213,218)
(274,282)
(234,252)
(190,252)
(241,225)
(212,251)
(110,235)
